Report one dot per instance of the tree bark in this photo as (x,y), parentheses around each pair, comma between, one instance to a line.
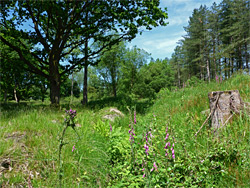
(208,70)
(16,95)
(72,87)
(225,67)
(114,88)
(246,56)
(85,85)
(55,83)
(113,77)
(223,104)
(231,67)
(86,63)
(240,59)
(179,76)
(5,96)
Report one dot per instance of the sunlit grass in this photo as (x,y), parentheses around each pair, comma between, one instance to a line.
(29,134)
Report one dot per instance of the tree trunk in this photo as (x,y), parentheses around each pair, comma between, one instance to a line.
(85,79)
(86,63)
(114,88)
(43,91)
(225,67)
(72,87)
(5,96)
(55,83)
(16,95)
(208,70)
(113,77)
(214,60)
(178,75)
(85,85)
(240,59)
(17,98)
(246,56)
(231,66)
(219,68)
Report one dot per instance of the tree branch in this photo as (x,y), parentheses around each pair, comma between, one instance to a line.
(43,41)
(34,55)
(80,61)
(20,53)
(71,22)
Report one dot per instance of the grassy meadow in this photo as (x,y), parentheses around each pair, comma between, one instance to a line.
(152,145)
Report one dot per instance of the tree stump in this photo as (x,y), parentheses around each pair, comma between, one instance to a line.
(223,105)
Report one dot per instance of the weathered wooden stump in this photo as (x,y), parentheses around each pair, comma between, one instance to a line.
(223,105)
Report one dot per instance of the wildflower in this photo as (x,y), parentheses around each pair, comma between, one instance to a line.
(172,149)
(217,78)
(146,148)
(168,143)
(152,169)
(167,136)
(143,169)
(134,117)
(144,175)
(71,113)
(166,146)
(110,127)
(146,137)
(132,134)
(73,148)
(155,166)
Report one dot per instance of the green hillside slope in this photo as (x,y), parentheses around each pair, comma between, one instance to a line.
(156,149)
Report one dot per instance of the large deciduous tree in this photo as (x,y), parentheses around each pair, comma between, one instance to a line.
(55,28)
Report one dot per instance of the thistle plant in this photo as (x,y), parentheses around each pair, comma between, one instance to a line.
(69,121)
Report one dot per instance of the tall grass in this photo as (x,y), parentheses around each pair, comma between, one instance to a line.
(29,134)
(29,138)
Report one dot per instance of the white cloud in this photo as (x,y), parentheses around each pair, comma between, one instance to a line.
(161,46)
(178,20)
(161,41)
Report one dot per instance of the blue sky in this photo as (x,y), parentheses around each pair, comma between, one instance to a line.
(161,41)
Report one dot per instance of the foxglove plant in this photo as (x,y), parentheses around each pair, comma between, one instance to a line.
(167,145)
(172,149)
(148,144)
(217,79)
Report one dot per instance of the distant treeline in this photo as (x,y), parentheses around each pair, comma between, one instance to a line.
(217,42)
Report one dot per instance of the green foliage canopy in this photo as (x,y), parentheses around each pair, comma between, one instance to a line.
(59,27)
